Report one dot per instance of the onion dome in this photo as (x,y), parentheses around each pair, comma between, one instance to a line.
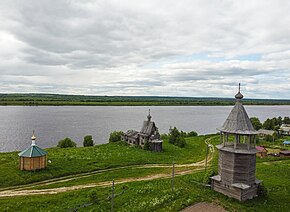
(33,136)
(239,95)
(149,116)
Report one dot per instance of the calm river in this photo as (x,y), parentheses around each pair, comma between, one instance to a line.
(52,123)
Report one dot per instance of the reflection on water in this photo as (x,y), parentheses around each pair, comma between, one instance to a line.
(52,123)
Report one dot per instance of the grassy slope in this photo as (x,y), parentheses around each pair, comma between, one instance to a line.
(85,159)
(152,195)
(156,195)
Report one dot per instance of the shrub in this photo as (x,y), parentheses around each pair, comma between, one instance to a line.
(207,175)
(164,136)
(173,135)
(93,197)
(65,143)
(192,134)
(262,190)
(88,141)
(180,141)
(269,138)
(147,146)
(183,134)
(115,136)
(256,123)
(176,138)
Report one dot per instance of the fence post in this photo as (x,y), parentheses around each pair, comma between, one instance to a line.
(172,182)
(206,157)
(113,196)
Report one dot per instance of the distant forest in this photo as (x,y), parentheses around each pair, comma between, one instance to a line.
(59,99)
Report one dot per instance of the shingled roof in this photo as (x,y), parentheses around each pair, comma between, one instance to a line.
(238,121)
(147,127)
(132,133)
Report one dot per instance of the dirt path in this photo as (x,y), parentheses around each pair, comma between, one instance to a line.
(204,207)
(11,193)
(26,189)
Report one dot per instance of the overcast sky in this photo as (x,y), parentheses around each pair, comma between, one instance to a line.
(150,47)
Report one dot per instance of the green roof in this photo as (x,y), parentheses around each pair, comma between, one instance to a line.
(32,151)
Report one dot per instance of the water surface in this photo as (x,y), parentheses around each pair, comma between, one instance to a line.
(53,123)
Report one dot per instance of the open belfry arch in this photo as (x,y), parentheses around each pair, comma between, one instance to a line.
(237,155)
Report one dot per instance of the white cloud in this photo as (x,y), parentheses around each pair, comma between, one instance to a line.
(180,48)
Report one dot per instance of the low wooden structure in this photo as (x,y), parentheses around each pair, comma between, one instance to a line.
(285,153)
(237,159)
(284,129)
(264,133)
(148,133)
(33,157)
(261,151)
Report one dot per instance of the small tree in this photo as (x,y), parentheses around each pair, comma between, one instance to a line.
(176,138)
(268,124)
(164,136)
(174,134)
(183,134)
(65,143)
(115,136)
(192,134)
(180,141)
(286,120)
(256,123)
(88,141)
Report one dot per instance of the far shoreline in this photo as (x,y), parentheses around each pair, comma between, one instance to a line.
(38,99)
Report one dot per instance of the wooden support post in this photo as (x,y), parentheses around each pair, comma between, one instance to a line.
(227,137)
(249,143)
(235,141)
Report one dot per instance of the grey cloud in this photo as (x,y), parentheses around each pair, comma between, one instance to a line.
(130,47)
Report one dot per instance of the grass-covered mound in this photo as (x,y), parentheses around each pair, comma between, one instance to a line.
(85,159)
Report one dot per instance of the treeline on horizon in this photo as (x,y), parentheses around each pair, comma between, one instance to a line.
(61,99)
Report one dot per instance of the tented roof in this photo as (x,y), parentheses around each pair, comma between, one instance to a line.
(33,151)
(147,127)
(238,121)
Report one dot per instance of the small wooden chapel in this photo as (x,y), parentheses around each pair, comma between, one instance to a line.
(33,157)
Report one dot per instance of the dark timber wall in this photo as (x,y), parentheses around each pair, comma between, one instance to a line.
(237,168)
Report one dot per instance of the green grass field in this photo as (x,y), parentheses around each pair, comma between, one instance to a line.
(85,159)
(117,161)
(156,195)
